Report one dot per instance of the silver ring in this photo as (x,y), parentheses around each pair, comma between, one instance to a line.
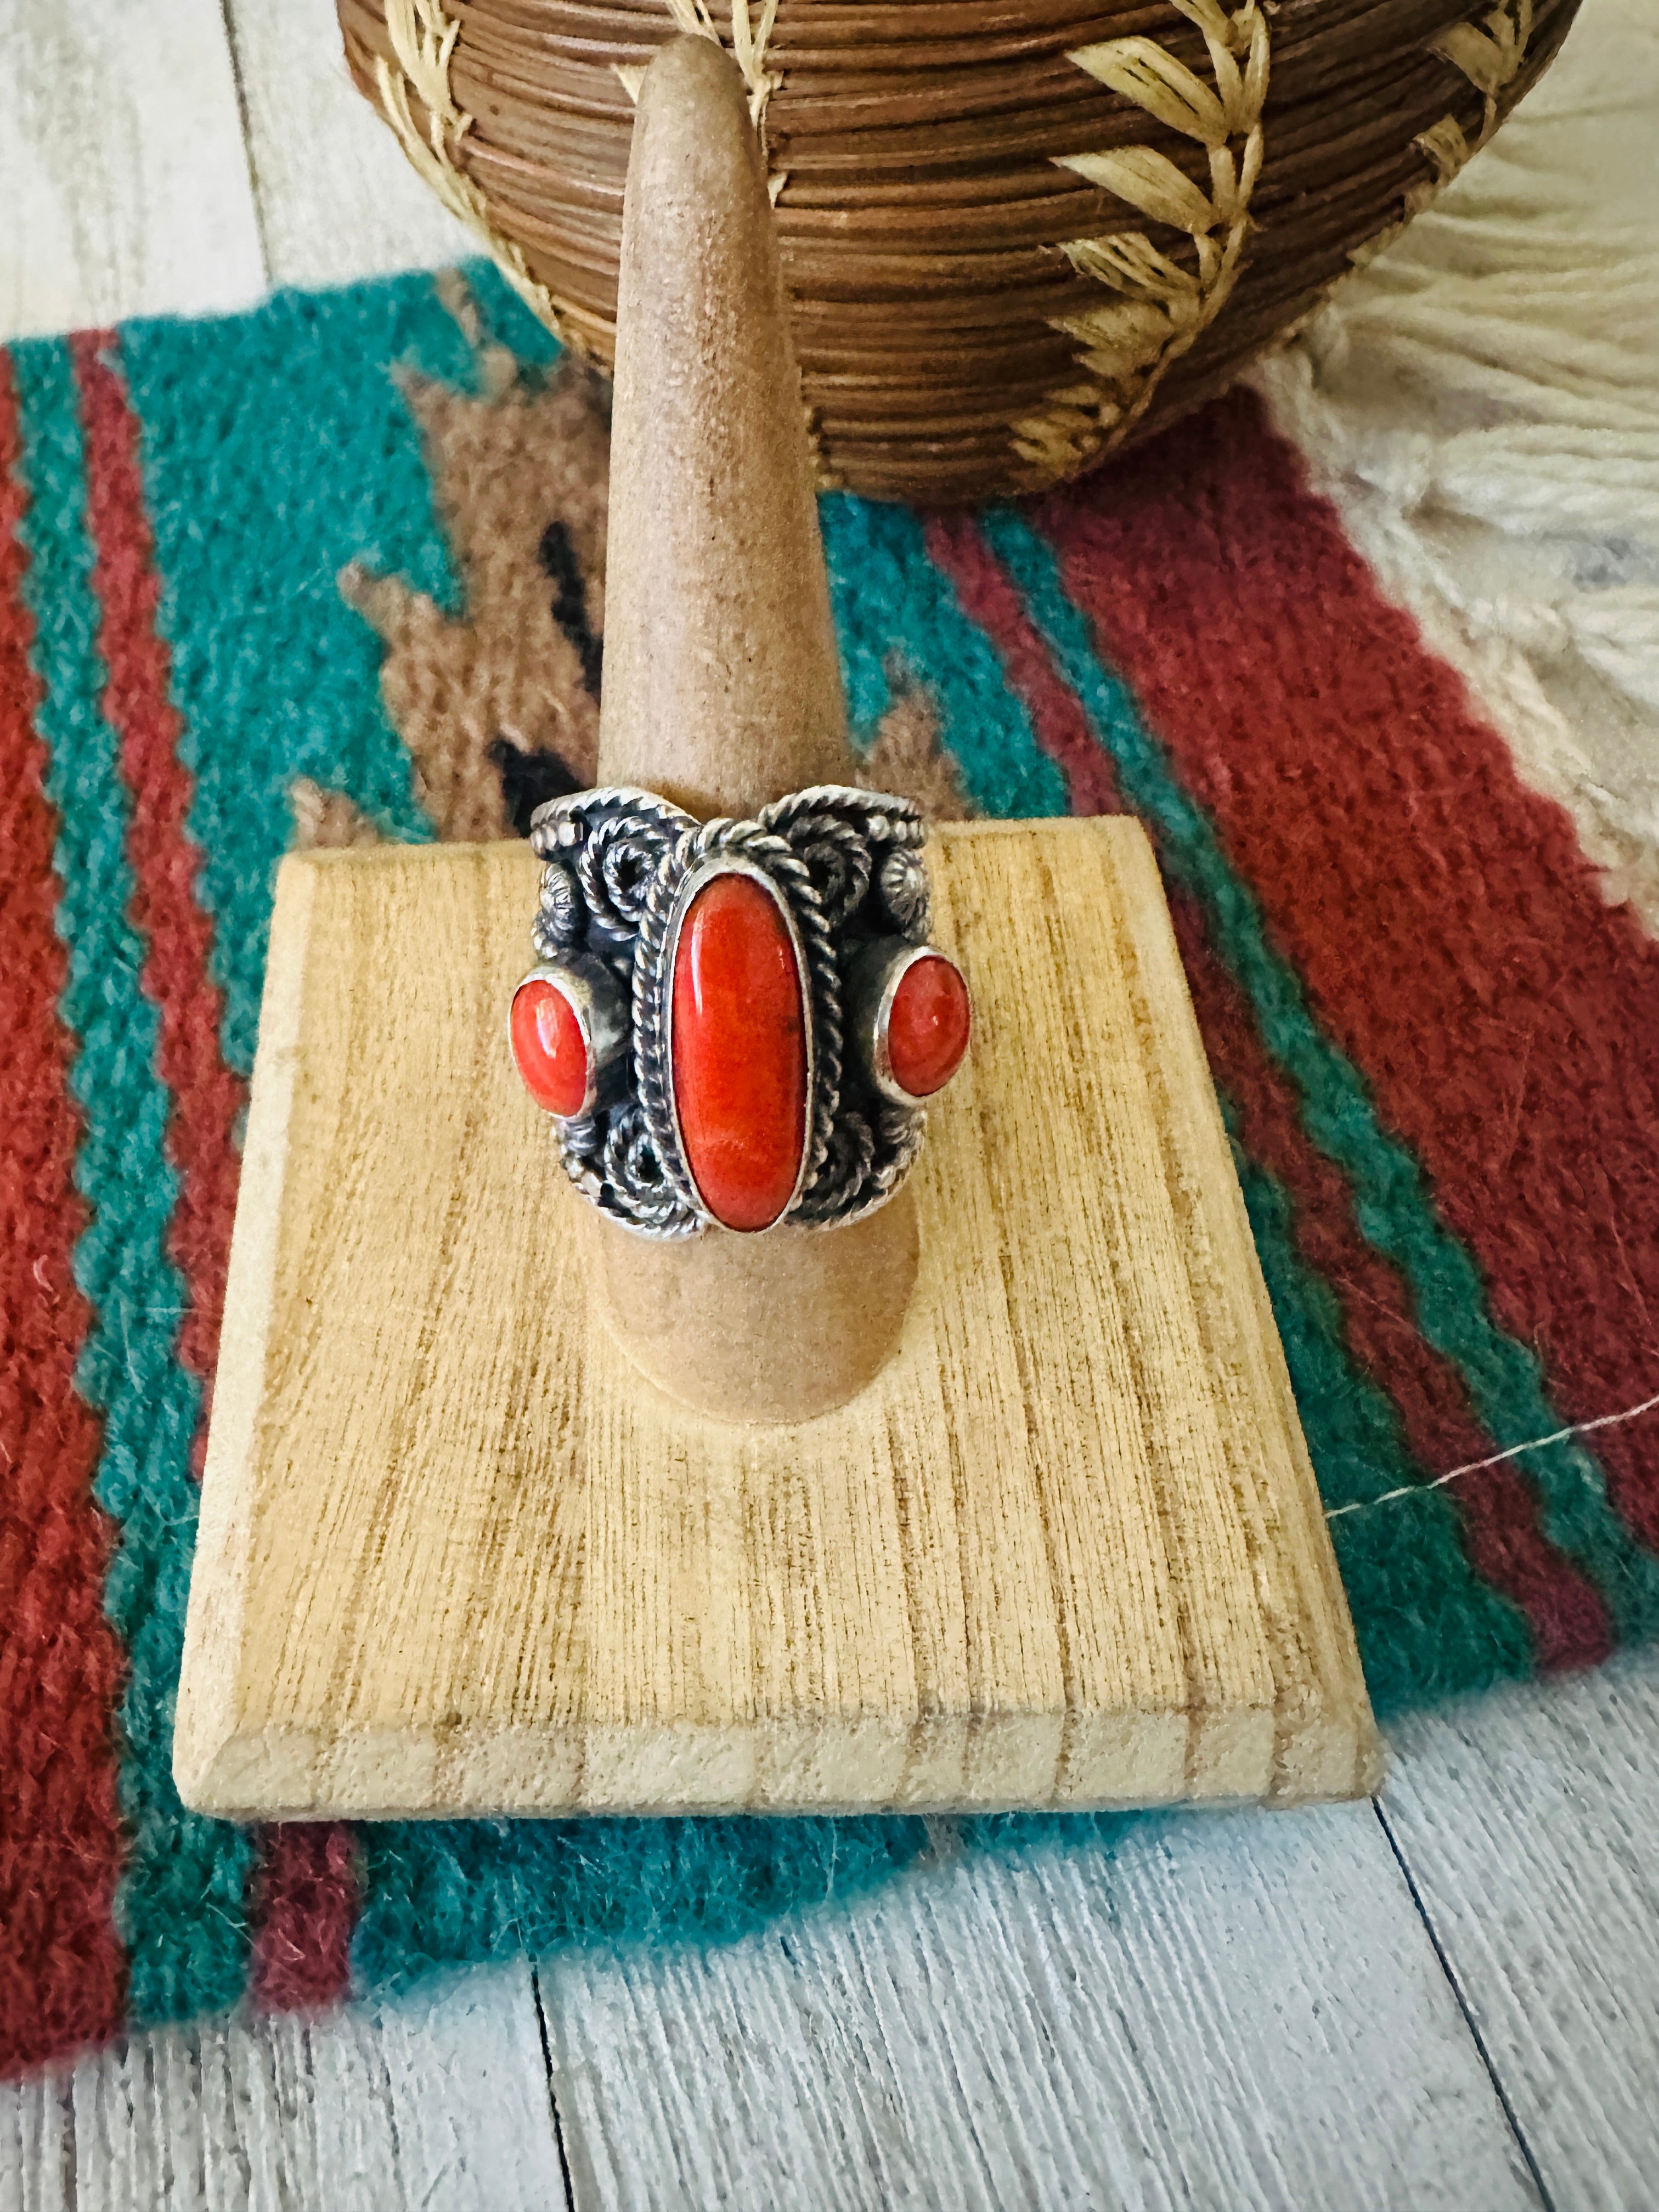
(735,1024)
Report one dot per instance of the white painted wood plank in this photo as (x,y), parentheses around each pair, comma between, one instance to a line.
(122,170)
(1225,2010)
(440,2099)
(1228,2011)
(1530,1823)
(336,198)
(37,2152)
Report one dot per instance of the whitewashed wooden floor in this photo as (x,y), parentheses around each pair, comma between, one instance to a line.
(1450,1999)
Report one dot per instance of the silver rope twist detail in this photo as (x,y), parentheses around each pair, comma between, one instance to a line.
(617,862)
(650,1004)
(757,843)
(633,1169)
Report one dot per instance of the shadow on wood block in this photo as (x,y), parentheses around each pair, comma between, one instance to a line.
(458,1556)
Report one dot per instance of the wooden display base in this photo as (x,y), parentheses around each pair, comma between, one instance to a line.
(456,1556)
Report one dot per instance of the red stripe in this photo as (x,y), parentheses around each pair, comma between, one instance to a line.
(62,1970)
(206,1094)
(989,597)
(306,1898)
(1506,1544)
(1449,934)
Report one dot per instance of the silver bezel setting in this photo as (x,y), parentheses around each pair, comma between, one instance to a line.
(872,989)
(697,879)
(594,996)
(620,869)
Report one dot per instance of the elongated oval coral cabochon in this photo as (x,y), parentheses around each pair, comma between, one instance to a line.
(739,1053)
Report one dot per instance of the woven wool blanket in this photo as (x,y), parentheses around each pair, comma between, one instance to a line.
(333,571)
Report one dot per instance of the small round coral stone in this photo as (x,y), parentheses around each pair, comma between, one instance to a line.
(928,1025)
(549,1047)
(740,1052)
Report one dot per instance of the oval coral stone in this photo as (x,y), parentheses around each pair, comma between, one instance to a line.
(549,1047)
(740,1052)
(928,1025)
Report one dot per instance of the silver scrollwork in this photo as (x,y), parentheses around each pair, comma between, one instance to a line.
(847,864)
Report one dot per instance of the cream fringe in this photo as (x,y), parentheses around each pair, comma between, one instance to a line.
(1482,401)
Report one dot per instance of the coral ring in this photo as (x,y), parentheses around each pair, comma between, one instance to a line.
(736,1024)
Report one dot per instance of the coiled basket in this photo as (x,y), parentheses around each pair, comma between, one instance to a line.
(1018,233)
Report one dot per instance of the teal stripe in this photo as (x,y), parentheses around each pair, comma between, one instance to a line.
(278,447)
(440,1893)
(180,1904)
(1392,1204)
(1427,1625)
(897,616)
(286,433)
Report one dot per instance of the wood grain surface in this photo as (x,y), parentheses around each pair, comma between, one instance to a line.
(1525,1821)
(336,201)
(1213,2010)
(456,1554)
(123,173)
(1206,2010)
(440,2101)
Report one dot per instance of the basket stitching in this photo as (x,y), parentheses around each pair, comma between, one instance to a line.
(1492,54)
(424,39)
(1164,305)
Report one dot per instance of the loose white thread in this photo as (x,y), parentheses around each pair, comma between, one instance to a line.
(1474,1466)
